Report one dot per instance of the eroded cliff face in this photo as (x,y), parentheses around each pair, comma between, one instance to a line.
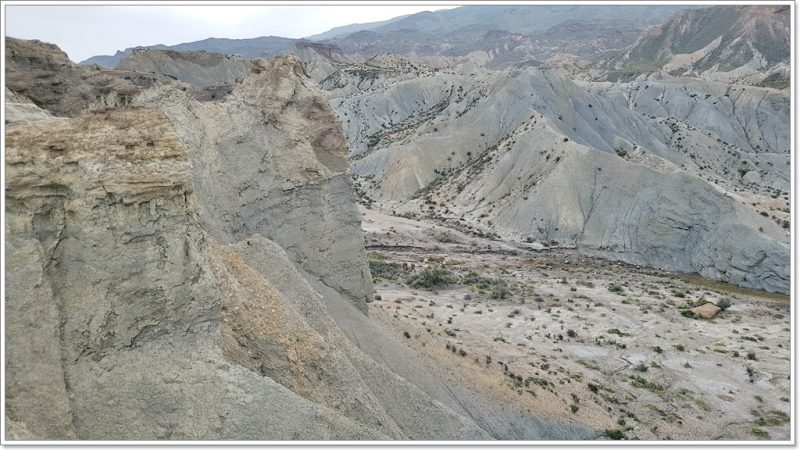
(148,298)
(270,159)
(121,308)
(44,74)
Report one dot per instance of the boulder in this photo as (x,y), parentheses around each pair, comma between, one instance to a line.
(706,311)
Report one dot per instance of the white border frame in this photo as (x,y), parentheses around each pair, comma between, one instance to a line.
(423,444)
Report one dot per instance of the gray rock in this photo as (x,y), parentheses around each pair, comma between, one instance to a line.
(247,182)
(140,307)
(196,68)
(623,170)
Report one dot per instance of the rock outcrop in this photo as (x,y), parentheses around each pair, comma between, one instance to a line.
(179,269)
(119,301)
(21,109)
(45,75)
(197,68)
(248,183)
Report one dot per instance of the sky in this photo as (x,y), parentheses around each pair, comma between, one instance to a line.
(88,30)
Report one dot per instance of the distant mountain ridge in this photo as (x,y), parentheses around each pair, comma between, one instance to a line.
(417,32)
(526,19)
(348,29)
(259,47)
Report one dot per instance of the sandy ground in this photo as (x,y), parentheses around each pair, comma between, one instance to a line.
(580,338)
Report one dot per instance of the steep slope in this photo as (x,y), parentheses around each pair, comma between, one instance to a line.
(217,72)
(111,61)
(307,211)
(748,44)
(320,60)
(19,108)
(411,106)
(535,186)
(419,142)
(509,35)
(100,344)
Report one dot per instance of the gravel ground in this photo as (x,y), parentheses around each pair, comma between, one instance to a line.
(599,342)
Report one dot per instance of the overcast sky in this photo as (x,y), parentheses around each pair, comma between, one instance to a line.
(84,31)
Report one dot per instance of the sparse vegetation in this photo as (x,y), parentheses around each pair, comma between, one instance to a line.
(541,320)
(386,270)
(430,278)
(617,332)
(615,288)
(642,383)
(614,434)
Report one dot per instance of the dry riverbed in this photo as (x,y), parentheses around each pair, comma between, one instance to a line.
(585,339)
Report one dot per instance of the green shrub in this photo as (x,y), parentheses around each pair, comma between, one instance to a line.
(641,383)
(429,278)
(500,293)
(615,288)
(724,304)
(388,270)
(473,279)
(614,434)
(617,332)
(773,418)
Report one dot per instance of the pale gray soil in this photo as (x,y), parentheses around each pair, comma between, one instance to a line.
(634,363)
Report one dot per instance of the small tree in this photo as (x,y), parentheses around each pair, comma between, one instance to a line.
(724,304)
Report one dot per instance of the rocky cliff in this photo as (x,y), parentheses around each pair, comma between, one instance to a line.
(44,75)
(179,269)
(250,184)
